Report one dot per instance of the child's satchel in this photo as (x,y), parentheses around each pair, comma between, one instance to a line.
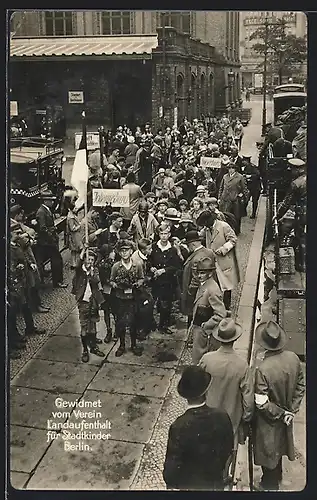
(144,301)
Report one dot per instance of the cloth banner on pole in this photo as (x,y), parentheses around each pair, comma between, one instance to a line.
(80,172)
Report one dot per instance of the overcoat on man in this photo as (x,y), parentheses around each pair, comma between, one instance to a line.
(190,283)
(222,236)
(230,188)
(232,386)
(280,377)
(208,311)
(199,444)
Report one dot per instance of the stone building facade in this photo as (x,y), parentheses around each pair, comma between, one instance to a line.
(130,69)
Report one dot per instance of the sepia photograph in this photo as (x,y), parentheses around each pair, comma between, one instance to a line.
(156,239)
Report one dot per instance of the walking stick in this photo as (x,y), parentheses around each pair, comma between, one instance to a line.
(250,460)
(233,468)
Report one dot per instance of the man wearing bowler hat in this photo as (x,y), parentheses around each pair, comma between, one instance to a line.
(190,283)
(232,389)
(208,310)
(279,390)
(200,441)
(48,238)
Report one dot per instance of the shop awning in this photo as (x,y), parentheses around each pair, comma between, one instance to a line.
(135,46)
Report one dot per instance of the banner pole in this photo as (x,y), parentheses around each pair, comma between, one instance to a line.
(84,137)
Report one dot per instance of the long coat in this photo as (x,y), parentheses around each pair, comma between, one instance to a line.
(232,385)
(190,278)
(227,268)
(279,376)
(208,311)
(230,188)
(199,444)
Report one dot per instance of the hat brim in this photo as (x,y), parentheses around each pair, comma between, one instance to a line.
(186,395)
(174,219)
(48,197)
(232,339)
(261,342)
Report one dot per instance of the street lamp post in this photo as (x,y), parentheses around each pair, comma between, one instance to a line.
(265,75)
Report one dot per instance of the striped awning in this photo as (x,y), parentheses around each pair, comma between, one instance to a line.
(130,45)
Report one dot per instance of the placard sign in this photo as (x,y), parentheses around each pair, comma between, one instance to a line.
(113,197)
(206,162)
(92,140)
(76,97)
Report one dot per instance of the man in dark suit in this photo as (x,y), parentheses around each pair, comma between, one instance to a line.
(48,238)
(200,442)
(236,158)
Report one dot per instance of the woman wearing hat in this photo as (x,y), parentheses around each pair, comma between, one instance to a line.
(162,206)
(233,193)
(232,387)
(126,277)
(196,208)
(279,391)
(73,230)
(87,289)
(200,441)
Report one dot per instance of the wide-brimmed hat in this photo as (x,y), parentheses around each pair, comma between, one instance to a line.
(296,162)
(194,382)
(227,331)
(161,171)
(270,335)
(206,264)
(130,139)
(201,189)
(225,160)
(186,218)
(47,195)
(247,156)
(192,236)
(172,214)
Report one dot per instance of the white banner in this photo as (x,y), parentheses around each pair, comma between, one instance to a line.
(92,140)
(206,162)
(161,112)
(258,80)
(113,197)
(75,97)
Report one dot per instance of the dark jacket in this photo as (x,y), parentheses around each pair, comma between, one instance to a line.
(170,261)
(47,234)
(199,444)
(80,282)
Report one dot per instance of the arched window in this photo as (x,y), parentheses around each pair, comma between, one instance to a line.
(193,108)
(180,94)
(211,96)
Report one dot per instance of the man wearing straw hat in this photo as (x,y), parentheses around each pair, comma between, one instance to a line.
(279,390)
(200,441)
(232,388)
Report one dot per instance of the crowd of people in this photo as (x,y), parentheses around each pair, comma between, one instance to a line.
(142,254)
(173,249)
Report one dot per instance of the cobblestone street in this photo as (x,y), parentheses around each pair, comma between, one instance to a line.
(137,395)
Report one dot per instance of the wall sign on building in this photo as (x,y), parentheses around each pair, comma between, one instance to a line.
(14,108)
(75,97)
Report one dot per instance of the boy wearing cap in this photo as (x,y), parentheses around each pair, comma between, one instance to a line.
(279,390)
(125,278)
(143,224)
(88,290)
(200,442)
(232,389)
